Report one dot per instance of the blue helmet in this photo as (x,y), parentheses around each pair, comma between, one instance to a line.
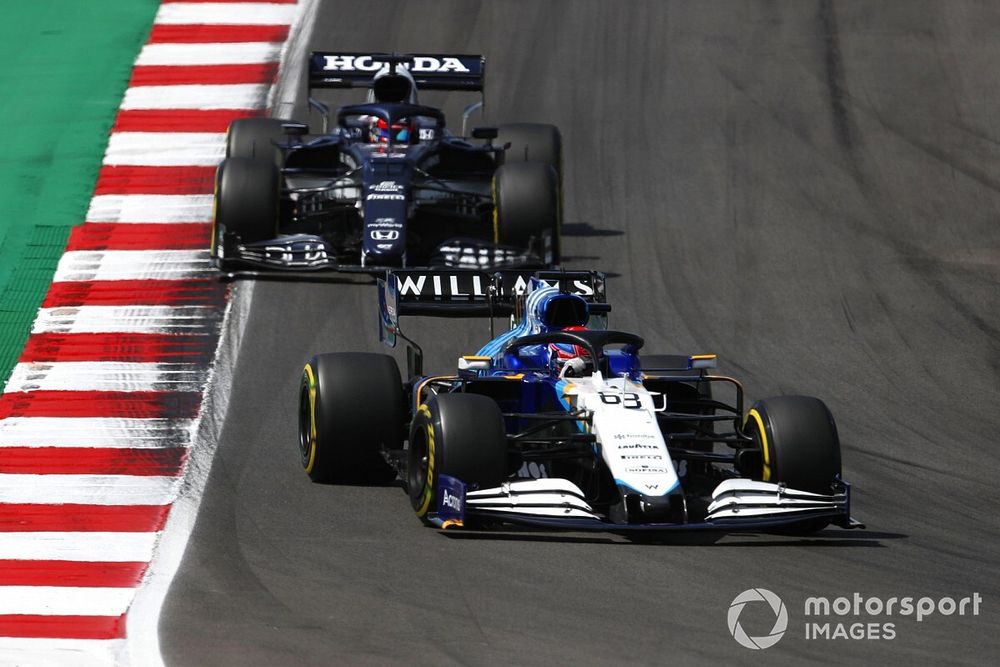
(548,309)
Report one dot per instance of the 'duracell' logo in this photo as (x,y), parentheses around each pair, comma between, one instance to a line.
(776,606)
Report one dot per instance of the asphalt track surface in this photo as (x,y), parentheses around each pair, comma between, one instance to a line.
(809,190)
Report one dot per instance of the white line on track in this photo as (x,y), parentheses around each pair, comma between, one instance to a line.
(166,149)
(87,490)
(186,55)
(150,208)
(65,600)
(52,652)
(102,547)
(88,265)
(196,96)
(93,432)
(242,13)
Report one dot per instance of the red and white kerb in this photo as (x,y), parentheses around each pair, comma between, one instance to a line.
(97,417)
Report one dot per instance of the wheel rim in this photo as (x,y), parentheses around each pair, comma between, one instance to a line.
(416,474)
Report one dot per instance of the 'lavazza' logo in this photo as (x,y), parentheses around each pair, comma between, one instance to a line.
(777,607)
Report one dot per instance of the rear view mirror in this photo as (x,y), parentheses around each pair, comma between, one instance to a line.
(484,133)
(471,364)
(295,129)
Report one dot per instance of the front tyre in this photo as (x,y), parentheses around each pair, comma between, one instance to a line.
(798,443)
(351,408)
(257,138)
(247,202)
(461,435)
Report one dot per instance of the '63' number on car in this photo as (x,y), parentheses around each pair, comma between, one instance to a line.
(628,399)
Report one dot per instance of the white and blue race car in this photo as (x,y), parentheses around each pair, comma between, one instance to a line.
(561,423)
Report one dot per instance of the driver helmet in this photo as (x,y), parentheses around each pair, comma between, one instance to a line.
(393,85)
(400,132)
(565,351)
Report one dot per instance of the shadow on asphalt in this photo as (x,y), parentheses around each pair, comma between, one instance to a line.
(829,538)
(588,230)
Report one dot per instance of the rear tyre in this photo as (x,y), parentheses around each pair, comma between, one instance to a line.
(351,408)
(525,205)
(256,138)
(537,142)
(799,445)
(461,435)
(247,200)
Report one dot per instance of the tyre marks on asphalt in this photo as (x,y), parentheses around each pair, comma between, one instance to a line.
(99,414)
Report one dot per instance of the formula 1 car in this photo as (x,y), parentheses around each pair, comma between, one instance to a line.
(560,423)
(388,185)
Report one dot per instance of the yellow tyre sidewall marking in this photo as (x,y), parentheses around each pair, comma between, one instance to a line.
(764,446)
(215,203)
(310,379)
(428,492)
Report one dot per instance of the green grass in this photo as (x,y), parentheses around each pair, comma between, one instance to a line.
(65,68)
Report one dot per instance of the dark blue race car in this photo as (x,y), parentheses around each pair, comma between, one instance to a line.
(562,423)
(388,185)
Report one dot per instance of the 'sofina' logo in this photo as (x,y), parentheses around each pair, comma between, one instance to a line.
(777,607)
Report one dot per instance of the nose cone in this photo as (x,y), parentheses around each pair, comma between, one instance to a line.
(386,210)
(384,241)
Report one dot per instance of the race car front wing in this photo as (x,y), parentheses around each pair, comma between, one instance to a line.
(307,257)
(737,505)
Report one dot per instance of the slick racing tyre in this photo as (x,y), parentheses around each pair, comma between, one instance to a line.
(256,138)
(526,205)
(798,443)
(531,142)
(247,200)
(461,435)
(351,407)
(537,142)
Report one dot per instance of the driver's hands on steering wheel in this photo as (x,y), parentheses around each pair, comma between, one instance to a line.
(573,367)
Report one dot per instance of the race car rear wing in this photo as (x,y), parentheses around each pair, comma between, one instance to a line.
(472,293)
(430,71)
